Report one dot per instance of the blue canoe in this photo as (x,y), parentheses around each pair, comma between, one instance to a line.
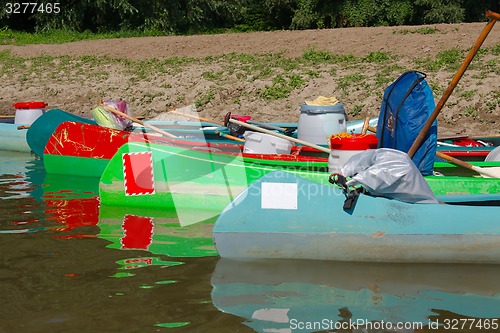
(285,216)
(12,138)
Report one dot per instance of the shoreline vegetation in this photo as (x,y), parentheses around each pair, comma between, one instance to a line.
(188,17)
(60,36)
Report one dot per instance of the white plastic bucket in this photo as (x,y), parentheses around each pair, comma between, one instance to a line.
(28,112)
(317,123)
(338,158)
(261,143)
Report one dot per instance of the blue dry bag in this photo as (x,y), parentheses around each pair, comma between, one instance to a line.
(408,102)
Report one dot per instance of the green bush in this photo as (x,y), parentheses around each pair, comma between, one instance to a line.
(160,17)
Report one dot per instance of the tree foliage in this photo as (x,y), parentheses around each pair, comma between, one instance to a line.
(195,16)
(440,11)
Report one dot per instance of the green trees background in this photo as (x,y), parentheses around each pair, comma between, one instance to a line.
(202,16)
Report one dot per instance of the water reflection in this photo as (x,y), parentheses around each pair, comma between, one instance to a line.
(71,265)
(20,176)
(309,296)
(64,279)
(158,232)
(37,201)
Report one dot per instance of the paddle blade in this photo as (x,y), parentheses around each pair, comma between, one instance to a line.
(490,172)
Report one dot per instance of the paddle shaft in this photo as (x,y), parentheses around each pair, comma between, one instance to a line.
(196,117)
(473,137)
(266,126)
(493,18)
(154,128)
(214,122)
(326,150)
(229,136)
(262,130)
(492,15)
(366,123)
(463,164)
(466,165)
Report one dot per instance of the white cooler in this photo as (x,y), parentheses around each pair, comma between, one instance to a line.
(261,143)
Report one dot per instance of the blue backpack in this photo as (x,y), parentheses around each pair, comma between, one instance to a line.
(408,102)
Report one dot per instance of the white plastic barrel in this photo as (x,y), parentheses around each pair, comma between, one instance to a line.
(262,143)
(28,112)
(317,123)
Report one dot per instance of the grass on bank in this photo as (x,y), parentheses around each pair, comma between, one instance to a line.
(59,36)
(422,31)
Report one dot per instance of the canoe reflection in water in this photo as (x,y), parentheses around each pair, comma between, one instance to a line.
(158,232)
(310,296)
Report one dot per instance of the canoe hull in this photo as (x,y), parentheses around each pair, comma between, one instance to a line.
(81,149)
(178,178)
(74,165)
(82,140)
(189,178)
(299,219)
(360,247)
(12,139)
(73,143)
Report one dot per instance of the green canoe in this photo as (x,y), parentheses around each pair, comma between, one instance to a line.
(167,177)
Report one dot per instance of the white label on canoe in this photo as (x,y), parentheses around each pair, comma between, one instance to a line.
(279,196)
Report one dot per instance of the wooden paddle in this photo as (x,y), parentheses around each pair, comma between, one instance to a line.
(270,127)
(490,172)
(466,136)
(154,128)
(196,117)
(229,136)
(367,127)
(278,135)
(418,141)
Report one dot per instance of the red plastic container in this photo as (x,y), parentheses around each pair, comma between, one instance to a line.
(29,105)
(28,112)
(354,142)
(344,147)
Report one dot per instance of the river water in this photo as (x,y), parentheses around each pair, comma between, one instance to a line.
(69,265)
